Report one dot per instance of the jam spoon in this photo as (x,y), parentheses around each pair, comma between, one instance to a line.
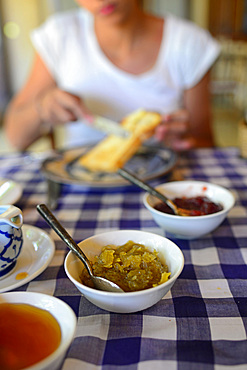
(136,181)
(99,282)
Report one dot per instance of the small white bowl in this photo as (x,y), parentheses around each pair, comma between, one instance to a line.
(129,301)
(190,227)
(64,315)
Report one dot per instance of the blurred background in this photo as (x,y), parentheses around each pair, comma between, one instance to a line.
(225,19)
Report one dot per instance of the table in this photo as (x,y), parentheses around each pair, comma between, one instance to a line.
(201,323)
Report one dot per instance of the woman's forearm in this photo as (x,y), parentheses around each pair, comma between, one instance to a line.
(23,124)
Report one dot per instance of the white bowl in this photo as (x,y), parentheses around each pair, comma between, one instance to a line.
(129,301)
(190,227)
(64,315)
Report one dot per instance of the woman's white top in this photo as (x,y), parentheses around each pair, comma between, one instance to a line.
(68,45)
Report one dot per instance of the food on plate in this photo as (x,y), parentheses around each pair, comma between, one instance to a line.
(114,151)
(132,266)
(198,206)
(28,335)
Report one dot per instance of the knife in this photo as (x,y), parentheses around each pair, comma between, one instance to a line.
(110,127)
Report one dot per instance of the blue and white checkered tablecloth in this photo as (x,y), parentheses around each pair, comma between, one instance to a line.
(201,323)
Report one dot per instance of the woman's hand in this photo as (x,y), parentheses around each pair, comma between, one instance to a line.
(39,106)
(56,106)
(190,127)
(174,131)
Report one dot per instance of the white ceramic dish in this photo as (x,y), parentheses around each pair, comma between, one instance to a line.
(10,192)
(62,313)
(37,251)
(196,226)
(131,301)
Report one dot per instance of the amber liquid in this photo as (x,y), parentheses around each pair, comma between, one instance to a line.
(27,335)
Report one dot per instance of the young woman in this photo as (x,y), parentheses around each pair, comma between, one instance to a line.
(109,57)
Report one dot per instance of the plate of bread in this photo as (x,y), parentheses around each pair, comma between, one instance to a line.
(96,164)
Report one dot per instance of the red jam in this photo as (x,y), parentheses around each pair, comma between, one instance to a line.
(199,206)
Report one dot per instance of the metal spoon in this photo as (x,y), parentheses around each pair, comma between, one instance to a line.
(99,282)
(136,181)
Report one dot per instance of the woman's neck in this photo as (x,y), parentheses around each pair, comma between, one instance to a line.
(133,44)
(122,32)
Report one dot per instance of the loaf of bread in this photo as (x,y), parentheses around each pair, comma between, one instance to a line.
(114,151)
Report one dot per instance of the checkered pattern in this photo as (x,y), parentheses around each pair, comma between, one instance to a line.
(201,323)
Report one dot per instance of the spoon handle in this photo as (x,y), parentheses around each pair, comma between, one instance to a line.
(128,176)
(64,235)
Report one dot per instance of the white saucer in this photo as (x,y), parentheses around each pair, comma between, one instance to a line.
(37,252)
(10,192)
